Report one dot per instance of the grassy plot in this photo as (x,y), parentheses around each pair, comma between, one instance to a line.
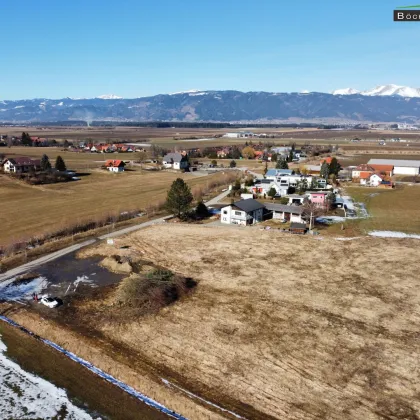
(83,387)
(394,210)
(32,210)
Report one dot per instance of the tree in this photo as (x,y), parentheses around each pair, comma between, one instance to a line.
(335,166)
(232,164)
(235,153)
(26,139)
(179,197)
(282,164)
(249,181)
(291,156)
(274,157)
(59,164)
(311,211)
(248,152)
(325,170)
(272,192)
(214,162)
(265,169)
(284,200)
(201,210)
(45,163)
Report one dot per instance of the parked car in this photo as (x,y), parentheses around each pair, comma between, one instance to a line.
(49,301)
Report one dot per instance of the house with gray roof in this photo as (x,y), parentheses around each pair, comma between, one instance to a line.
(176,161)
(243,212)
(284,212)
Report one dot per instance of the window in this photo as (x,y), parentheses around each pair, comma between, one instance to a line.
(238,213)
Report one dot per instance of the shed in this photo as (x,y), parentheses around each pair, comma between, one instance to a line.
(298,228)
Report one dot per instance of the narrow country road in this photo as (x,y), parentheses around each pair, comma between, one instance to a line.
(57,254)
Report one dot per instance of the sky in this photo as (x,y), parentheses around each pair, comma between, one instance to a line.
(135,48)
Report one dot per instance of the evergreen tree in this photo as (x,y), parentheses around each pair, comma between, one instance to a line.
(201,210)
(179,197)
(235,153)
(282,164)
(325,170)
(59,164)
(272,192)
(232,164)
(291,156)
(45,163)
(335,166)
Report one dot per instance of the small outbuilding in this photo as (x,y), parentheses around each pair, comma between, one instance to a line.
(298,228)
(115,165)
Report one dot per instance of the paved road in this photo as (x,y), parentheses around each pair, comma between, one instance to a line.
(57,254)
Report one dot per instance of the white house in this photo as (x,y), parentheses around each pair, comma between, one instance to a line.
(243,212)
(296,199)
(292,214)
(375,180)
(115,165)
(176,161)
(21,165)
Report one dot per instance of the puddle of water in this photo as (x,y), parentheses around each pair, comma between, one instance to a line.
(60,278)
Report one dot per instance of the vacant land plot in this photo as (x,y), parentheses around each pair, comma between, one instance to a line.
(396,210)
(32,210)
(279,326)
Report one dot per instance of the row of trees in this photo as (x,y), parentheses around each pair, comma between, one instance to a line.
(330,170)
(59,164)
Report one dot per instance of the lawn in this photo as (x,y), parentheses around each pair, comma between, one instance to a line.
(396,210)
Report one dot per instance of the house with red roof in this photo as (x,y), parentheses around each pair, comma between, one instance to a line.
(115,165)
(21,165)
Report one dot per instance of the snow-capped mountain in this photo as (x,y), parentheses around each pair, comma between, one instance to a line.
(385,104)
(385,90)
(346,91)
(110,96)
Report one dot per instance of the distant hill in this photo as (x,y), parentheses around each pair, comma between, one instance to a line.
(223,106)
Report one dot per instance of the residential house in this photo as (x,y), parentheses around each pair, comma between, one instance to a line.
(243,212)
(115,165)
(387,170)
(21,165)
(284,212)
(176,161)
(362,171)
(318,197)
(296,199)
(313,169)
(375,180)
(276,173)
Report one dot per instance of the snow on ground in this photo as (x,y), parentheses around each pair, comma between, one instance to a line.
(392,234)
(22,289)
(347,239)
(26,396)
(330,219)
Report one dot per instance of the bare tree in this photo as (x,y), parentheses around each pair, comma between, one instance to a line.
(311,211)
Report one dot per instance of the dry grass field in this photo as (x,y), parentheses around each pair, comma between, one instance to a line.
(280,327)
(34,210)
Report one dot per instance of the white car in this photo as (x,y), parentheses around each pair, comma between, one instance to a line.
(49,301)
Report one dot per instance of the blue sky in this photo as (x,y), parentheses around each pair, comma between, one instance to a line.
(132,48)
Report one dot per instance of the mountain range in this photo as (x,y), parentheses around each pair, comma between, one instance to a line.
(390,103)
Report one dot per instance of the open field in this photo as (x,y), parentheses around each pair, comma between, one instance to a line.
(33,210)
(166,136)
(295,332)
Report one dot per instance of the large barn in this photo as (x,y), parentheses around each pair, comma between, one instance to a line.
(401,167)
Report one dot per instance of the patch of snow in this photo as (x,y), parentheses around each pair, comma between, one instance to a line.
(126,388)
(2,110)
(19,106)
(23,289)
(24,395)
(110,96)
(186,91)
(60,104)
(347,239)
(330,219)
(346,91)
(392,234)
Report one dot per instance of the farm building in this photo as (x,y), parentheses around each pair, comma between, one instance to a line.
(401,167)
(176,161)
